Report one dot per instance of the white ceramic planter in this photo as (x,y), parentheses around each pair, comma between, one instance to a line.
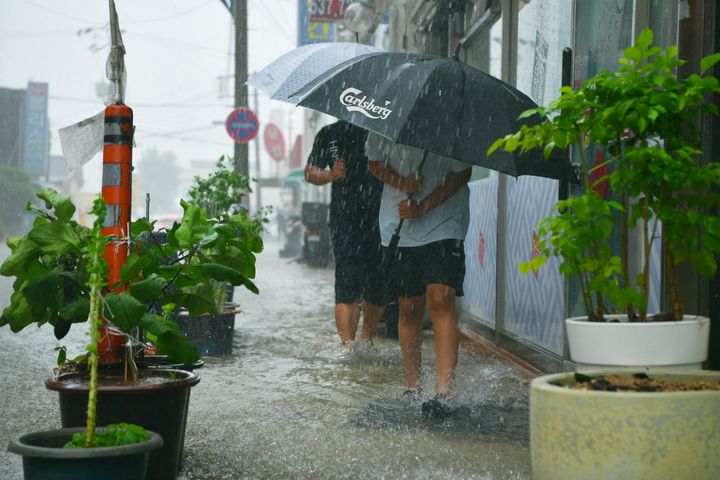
(648,346)
(591,435)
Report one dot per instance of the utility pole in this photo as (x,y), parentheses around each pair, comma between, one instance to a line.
(239,12)
(258,172)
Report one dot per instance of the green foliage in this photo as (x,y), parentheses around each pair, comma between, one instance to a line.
(220,195)
(112,435)
(222,191)
(52,269)
(642,120)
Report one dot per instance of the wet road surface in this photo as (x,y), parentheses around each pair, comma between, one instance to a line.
(290,404)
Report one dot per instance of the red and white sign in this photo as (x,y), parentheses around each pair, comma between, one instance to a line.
(481,249)
(242,125)
(327,10)
(274,142)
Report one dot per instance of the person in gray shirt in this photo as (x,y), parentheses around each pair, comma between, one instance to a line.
(428,265)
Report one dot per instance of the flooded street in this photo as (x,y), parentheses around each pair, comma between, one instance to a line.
(289,404)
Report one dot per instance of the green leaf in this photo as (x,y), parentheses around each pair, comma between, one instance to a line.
(148,289)
(24,251)
(76,311)
(644,39)
(170,340)
(55,238)
(197,299)
(38,290)
(18,314)
(548,150)
(708,62)
(193,227)
(123,310)
(134,264)
(218,272)
(139,226)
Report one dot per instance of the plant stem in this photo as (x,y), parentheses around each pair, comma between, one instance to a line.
(95,304)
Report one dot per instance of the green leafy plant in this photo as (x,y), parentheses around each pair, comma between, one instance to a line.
(640,124)
(112,435)
(221,194)
(52,266)
(222,191)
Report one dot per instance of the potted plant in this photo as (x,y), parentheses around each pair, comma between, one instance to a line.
(638,124)
(221,194)
(155,279)
(89,452)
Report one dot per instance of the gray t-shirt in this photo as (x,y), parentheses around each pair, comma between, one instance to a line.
(449,220)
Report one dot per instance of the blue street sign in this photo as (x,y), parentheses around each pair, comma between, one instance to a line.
(310,31)
(242,125)
(36,128)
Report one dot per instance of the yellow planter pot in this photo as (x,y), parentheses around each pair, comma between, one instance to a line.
(578,434)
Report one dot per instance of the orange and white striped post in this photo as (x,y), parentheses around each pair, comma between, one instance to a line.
(117,194)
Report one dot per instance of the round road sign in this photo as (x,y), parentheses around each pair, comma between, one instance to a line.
(242,125)
(274,142)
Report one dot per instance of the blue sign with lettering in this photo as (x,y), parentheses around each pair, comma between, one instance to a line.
(310,31)
(36,129)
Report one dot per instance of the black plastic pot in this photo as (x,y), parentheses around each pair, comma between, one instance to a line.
(158,403)
(45,459)
(213,334)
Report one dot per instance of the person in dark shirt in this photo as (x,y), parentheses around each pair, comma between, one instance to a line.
(338,157)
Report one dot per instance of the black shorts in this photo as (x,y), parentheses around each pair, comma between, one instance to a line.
(358,275)
(413,268)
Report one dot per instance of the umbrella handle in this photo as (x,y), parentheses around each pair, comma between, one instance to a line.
(395,240)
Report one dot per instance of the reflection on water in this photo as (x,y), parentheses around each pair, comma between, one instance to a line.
(290,404)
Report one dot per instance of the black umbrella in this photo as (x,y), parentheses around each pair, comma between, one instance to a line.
(437,104)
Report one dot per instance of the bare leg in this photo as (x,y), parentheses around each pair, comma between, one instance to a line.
(347,317)
(410,335)
(371,316)
(441,303)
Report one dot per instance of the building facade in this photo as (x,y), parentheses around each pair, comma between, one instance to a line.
(537,46)
(529,44)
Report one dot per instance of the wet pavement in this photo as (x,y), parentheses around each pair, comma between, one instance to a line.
(290,404)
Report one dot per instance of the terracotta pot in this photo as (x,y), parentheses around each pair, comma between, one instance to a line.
(158,403)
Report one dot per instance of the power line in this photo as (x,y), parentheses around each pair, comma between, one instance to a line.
(170,17)
(278,24)
(62,14)
(144,105)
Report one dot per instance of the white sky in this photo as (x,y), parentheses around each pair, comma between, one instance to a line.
(176,50)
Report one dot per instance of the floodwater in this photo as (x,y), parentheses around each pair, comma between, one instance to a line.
(290,404)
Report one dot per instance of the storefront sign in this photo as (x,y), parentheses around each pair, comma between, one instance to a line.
(327,10)
(36,129)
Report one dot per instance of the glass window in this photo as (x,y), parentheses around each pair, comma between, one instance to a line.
(482,47)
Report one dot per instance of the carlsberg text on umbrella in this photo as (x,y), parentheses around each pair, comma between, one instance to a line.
(353,103)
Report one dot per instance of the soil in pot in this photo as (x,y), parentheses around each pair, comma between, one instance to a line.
(640,382)
(158,402)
